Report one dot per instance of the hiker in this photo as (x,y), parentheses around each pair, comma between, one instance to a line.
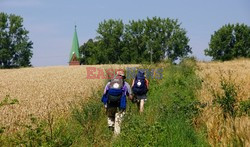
(140,87)
(114,99)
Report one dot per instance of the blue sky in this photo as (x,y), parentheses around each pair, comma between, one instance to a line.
(51,23)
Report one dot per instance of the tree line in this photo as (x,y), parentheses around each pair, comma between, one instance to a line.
(139,41)
(134,42)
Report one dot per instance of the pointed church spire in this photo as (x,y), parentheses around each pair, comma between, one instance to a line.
(74,53)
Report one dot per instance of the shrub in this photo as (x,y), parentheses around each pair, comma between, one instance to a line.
(227,99)
(245,107)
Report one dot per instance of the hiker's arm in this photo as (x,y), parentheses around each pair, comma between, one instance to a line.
(129,92)
(133,82)
(147,83)
(106,88)
(104,97)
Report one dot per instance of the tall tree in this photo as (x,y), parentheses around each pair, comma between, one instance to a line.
(110,40)
(164,38)
(176,45)
(135,41)
(229,42)
(90,52)
(15,46)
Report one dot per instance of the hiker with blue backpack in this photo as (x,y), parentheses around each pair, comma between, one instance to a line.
(140,87)
(114,99)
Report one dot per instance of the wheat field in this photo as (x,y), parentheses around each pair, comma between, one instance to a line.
(220,131)
(44,90)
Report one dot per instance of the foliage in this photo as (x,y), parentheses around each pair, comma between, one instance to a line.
(134,42)
(170,107)
(93,122)
(8,101)
(245,107)
(231,108)
(227,99)
(110,40)
(39,133)
(166,121)
(229,42)
(35,134)
(88,50)
(83,128)
(15,47)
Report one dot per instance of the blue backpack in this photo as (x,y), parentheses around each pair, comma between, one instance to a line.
(139,87)
(116,90)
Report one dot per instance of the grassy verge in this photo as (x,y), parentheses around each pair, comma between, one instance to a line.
(167,120)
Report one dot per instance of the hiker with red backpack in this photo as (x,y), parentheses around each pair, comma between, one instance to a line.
(140,87)
(114,99)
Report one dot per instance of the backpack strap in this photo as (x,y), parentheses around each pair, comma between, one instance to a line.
(123,101)
(124,89)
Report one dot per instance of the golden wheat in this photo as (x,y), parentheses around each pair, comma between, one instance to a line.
(44,89)
(220,131)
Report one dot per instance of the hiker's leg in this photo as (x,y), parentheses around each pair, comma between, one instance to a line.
(111,121)
(118,120)
(141,105)
(111,116)
(137,103)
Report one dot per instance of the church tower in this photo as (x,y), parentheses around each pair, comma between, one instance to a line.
(74,56)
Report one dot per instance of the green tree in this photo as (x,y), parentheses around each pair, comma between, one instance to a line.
(164,37)
(89,52)
(134,42)
(110,34)
(229,42)
(176,45)
(15,47)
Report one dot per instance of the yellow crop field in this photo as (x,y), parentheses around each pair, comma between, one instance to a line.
(44,89)
(220,130)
